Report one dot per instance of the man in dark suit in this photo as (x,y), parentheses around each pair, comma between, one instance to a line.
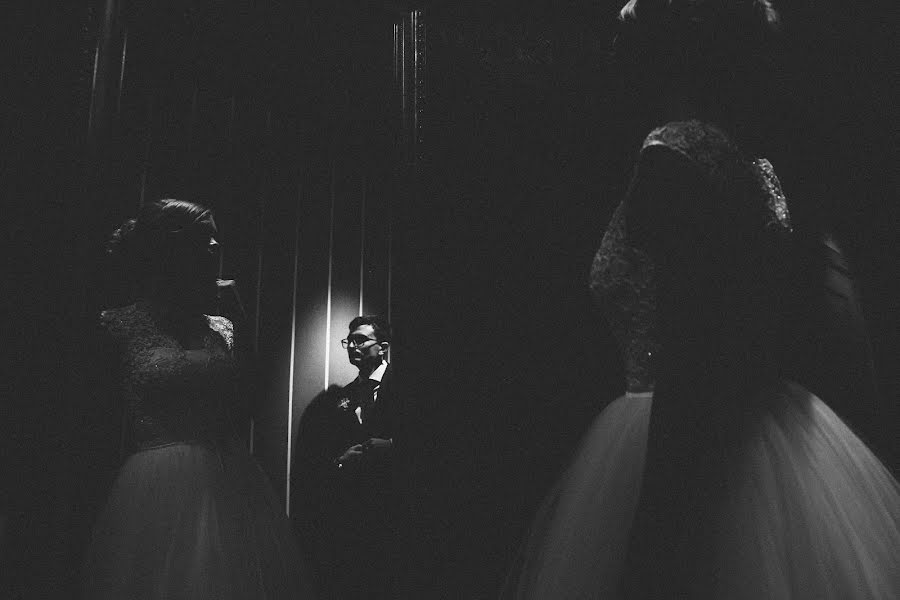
(348,504)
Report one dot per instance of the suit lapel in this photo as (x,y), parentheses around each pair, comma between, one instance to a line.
(377,415)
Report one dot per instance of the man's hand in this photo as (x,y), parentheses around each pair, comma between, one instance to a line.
(370,450)
(377,445)
(353,455)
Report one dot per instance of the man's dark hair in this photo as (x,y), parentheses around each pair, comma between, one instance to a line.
(378,323)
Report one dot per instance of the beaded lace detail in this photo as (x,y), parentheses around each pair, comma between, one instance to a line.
(623,284)
(223,327)
(174,394)
(778,215)
(725,167)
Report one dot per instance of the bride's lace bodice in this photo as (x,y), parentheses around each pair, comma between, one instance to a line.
(173,394)
(623,276)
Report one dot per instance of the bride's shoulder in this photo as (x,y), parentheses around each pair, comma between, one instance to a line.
(224,327)
(701,143)
(688,137)
(121,321)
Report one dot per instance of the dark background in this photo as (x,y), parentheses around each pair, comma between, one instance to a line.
(527,147)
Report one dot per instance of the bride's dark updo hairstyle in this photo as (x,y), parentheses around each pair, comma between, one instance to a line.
(722,53)
(726,53)
(147,247)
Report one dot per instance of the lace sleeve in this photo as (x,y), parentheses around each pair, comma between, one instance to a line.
(223,327)
(623,285)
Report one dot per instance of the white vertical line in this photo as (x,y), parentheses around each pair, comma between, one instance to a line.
(93,89)
(362,245)
(330,276)
(401,51)
(396,30)
(414,20)
(403,73)
(122,71)
(290,418)
(397,80)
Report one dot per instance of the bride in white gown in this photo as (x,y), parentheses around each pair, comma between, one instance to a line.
(714,476)
(191,515)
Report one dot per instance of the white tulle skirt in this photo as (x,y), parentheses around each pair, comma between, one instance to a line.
(811,513)
(190,521)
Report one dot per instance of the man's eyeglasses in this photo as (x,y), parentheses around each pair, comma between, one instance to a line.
(358,342)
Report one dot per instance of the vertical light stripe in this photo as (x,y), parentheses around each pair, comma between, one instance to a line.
(418,80)
(122,72)
(330,276)
(290,417)
(390,218)
(400,51)
(362,246)
(93,90)
(396,52)
(404,27)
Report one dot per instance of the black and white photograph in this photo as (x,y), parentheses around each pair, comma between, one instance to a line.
(494,300)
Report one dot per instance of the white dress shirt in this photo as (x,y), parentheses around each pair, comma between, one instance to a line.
(376,375)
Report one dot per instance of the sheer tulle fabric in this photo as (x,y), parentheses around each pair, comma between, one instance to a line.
(810,513)
(576,548)
(816,514)
(193,521)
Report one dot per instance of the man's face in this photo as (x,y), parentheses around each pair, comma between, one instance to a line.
(363,348)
